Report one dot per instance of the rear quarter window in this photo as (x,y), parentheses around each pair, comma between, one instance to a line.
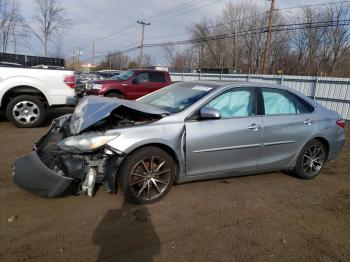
(157,77)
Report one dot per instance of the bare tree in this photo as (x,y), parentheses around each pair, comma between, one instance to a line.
(317,41)
(57,50)
(169,53)
(11,24)
(50,20)
(337,37)
(233,17)
(179,60)
(114,60)
(148,60)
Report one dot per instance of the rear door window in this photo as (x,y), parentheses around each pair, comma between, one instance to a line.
(157,77)
(280,102)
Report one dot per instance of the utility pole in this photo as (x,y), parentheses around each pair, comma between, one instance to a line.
(73,58)
(143,24)
(78,58)
(93,53)
(268,39)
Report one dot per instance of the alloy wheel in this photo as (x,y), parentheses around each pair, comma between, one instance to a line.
(26,112)
(313,160)
(149,178)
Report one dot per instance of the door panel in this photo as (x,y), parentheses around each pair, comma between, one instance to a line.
(224,145)
(141,88)
(283,137)
(231,143)
(285,130)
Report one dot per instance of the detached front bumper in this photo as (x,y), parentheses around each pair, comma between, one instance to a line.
(33,175)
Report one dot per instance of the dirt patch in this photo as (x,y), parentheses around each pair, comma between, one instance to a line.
(274,217)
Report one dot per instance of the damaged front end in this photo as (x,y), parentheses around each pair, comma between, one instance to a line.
(74,156)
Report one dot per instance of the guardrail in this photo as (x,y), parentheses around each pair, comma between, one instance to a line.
(331,92)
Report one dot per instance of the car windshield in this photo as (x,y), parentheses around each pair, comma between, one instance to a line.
(115,77)
(125,75)
(177,97)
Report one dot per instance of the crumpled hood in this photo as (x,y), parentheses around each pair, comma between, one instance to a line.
(92,109)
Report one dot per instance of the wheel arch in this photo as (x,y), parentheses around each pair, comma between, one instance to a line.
(325,142)
(162,146)
(115,91)
(22,90)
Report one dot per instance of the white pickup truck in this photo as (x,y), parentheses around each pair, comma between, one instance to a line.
(26,93)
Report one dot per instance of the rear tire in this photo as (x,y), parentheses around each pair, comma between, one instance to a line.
(116,95)
(311,160)
(26,111)
(147,175)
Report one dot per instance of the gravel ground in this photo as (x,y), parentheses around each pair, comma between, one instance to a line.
(267,217)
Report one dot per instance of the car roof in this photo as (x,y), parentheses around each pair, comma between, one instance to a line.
(230,83)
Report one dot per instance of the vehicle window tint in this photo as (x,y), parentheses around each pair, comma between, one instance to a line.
(143,77)
(156,77)
(279,102)
(302,106)
(234,103)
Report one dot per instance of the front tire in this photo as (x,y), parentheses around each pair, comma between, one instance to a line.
(311,160)
(26,111)
(147,175)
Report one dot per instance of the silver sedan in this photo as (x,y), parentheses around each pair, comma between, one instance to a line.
(185,132)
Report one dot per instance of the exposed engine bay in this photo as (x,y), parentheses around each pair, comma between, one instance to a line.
(75,146)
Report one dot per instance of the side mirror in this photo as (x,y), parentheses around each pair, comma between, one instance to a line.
(135,80)
(208,112)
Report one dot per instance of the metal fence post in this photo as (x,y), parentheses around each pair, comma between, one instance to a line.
(282,79)
(199,76)
(315,88)
(183,75)
(248,77)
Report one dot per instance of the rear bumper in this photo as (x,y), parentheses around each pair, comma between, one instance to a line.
(34,176)
(335,149)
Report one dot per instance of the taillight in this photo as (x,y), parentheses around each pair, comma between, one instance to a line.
(341,123)
(70,81)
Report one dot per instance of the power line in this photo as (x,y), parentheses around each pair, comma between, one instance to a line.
(247,33)
(280,9)
(130,28)
(174,9)
(312,5)
(188,11)
(262,30)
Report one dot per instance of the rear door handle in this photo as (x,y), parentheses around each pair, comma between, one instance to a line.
(254,127)
(308,122)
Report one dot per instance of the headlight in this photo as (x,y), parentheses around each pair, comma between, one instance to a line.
(96,86)
(87,142)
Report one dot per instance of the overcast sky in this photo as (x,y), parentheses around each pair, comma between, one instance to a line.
(92,19)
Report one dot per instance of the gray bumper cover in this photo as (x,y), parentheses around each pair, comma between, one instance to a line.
(31,174)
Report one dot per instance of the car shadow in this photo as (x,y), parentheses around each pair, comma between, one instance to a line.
(2,117)
(126,234)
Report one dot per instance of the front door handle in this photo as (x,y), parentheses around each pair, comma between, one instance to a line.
(308,122)
(254,127)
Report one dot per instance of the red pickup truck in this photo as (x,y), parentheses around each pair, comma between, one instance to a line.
(130,84)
